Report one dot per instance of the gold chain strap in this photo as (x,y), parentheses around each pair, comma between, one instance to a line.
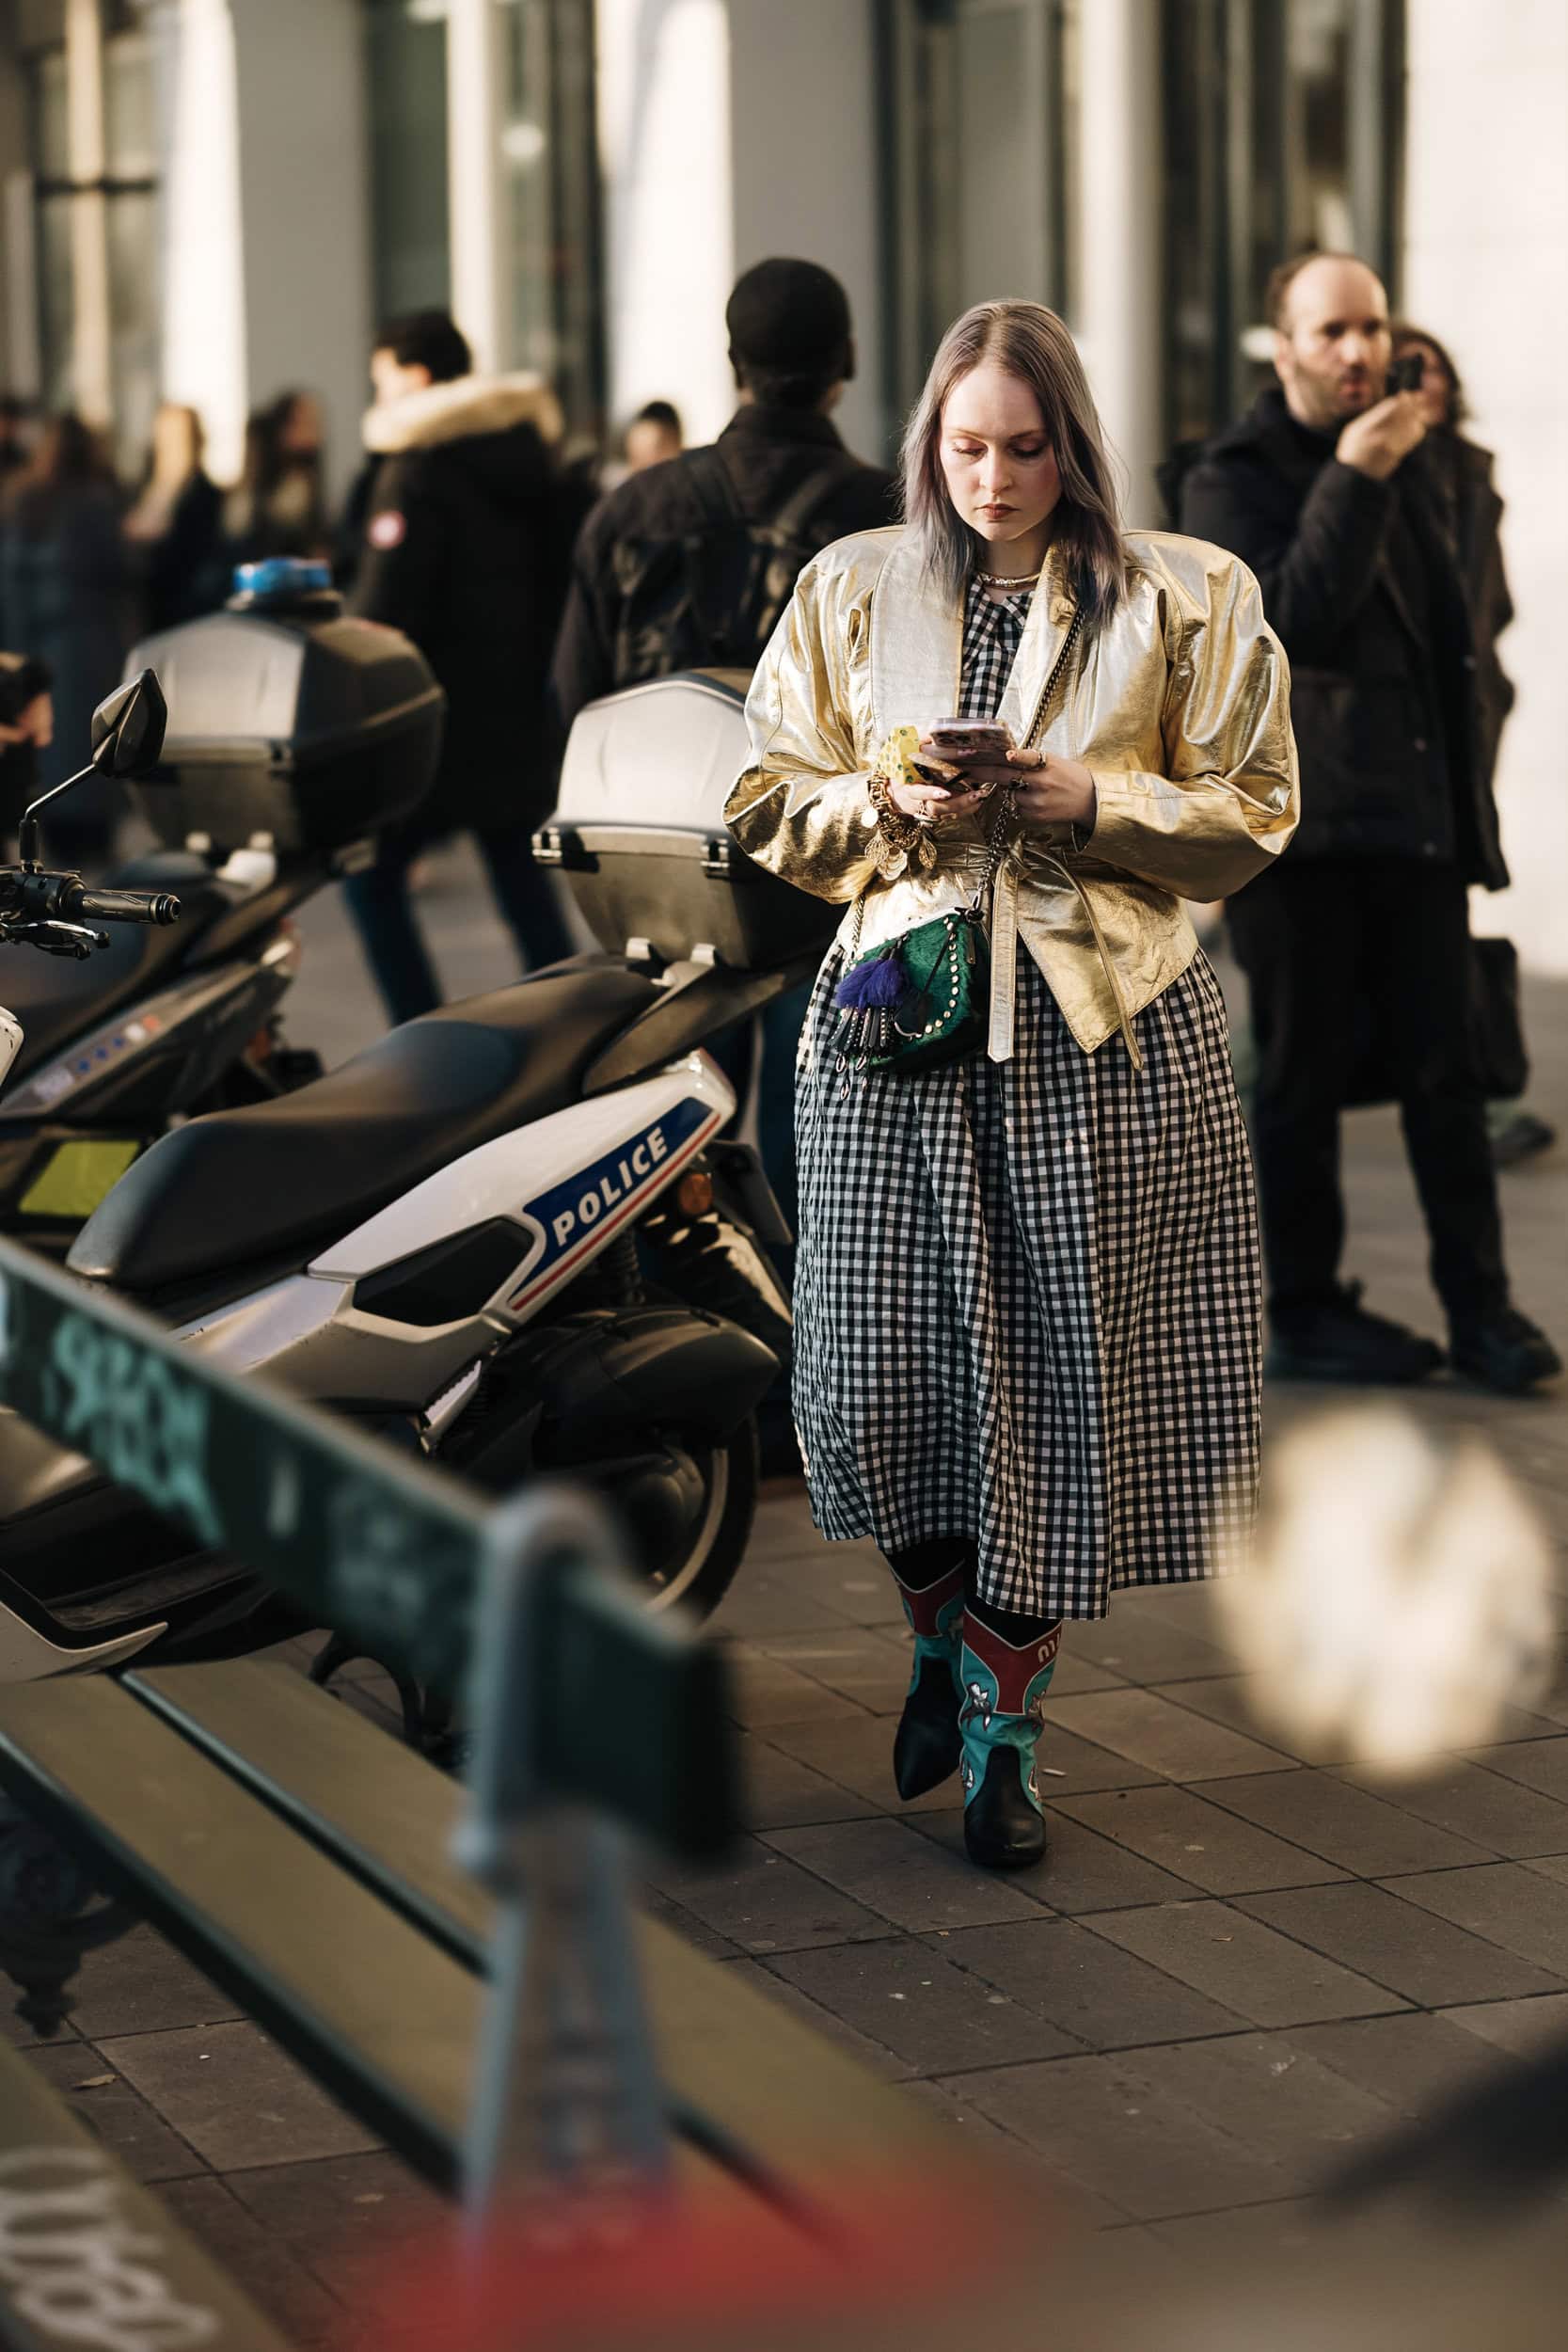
(995,845)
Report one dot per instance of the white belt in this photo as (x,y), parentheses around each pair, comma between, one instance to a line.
(1004,959)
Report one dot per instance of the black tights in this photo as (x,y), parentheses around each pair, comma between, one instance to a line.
(924,1563)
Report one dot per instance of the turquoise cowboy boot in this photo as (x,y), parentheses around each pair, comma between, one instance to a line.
(926,1745)
(1003,1706)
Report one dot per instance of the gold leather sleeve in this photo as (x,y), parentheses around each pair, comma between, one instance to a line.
(1229,799)
(801,809)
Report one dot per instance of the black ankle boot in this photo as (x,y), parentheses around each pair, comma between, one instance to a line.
(927,1745)
(1004,1827)
(1004,1686)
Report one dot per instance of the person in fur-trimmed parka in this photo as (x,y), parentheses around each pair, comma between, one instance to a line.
(465,546)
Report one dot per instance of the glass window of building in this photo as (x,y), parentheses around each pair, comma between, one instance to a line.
(55,279)
(978,104)
(546,186)
(405,77)
(549,156)
(1282,125)
(127,187)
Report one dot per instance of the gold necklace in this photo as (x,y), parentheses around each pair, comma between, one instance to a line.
(1024,579)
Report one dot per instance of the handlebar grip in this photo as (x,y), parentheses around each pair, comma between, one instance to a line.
(120,906)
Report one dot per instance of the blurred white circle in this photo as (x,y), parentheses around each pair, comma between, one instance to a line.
(1399,1597)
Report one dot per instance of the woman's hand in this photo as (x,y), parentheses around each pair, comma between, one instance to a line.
(1052,791)
(946,795)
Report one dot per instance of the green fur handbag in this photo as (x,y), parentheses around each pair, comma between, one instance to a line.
(917,1002)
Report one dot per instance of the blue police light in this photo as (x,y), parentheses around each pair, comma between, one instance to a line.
(281,576)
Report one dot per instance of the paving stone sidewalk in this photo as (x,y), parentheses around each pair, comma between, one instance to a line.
(1235,1968)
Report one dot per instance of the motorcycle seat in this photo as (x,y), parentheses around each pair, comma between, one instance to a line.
(242,1186)
(56,1001)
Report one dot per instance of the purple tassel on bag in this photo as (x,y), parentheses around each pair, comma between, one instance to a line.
(874,986)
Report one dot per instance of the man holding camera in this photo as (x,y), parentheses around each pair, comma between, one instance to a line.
(1321,489)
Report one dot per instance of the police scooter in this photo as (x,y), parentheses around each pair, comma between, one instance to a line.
(162,1024)
(508,1234)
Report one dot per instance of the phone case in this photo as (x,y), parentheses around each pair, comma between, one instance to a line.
(969,735)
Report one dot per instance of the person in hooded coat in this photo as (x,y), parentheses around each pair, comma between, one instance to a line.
(463,551)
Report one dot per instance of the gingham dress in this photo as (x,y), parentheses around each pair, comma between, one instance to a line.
(1027,1293)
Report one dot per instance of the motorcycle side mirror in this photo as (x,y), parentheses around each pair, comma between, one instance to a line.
(128,727)
(127,736)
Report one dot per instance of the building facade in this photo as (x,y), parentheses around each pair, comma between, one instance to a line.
(208,200)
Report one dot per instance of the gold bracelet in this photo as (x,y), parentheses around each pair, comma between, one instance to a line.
(897,837)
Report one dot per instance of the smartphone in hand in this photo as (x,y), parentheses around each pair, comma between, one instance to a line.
(964,740)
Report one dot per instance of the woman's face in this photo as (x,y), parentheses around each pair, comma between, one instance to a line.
(999,468)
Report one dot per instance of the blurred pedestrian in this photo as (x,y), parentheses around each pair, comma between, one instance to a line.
(690,563)
(1472,515)
(177,522)
(65,597)
(1325,490)
(1027,1310)
(27,727)
(278,505)
(653,434)
(463,550)
(13,429)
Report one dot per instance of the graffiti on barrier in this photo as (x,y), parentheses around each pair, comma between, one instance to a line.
(137,1418)
(76,2270)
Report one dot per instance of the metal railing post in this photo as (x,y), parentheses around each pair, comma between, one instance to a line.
(566,2090)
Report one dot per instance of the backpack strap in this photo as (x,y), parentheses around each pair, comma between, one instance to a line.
(709,477)
(814,492)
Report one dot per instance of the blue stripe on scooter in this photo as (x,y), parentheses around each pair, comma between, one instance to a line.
(568,1214)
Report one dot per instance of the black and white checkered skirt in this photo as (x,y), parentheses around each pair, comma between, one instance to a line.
(1028,1302)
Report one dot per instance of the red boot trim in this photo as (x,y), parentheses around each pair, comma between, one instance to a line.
(923,1606)
(1014,1669)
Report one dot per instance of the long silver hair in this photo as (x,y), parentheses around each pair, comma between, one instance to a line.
(1032,343)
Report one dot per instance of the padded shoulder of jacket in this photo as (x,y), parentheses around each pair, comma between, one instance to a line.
(1195,573)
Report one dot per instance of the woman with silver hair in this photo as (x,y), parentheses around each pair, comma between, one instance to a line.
(1028,1351)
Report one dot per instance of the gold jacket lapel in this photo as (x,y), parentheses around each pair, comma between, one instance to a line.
(1049,620)
(916,646)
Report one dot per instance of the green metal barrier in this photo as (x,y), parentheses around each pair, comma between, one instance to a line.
(591,1718)
(380,1549)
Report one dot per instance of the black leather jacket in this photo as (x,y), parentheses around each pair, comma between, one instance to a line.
(1384,695)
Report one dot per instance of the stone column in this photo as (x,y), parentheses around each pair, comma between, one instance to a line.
(475,189)
(265,236)
(20,370)
(669,226)
(201,248)
(1120,326)
(93,384)
(1483,269)
(785,108)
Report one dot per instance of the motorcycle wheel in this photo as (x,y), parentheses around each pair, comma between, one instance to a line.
(692,1570)
(698,1582)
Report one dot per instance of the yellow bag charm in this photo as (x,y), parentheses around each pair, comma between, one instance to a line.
(895,760)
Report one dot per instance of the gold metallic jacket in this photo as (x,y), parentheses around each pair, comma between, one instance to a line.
(1178,706)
